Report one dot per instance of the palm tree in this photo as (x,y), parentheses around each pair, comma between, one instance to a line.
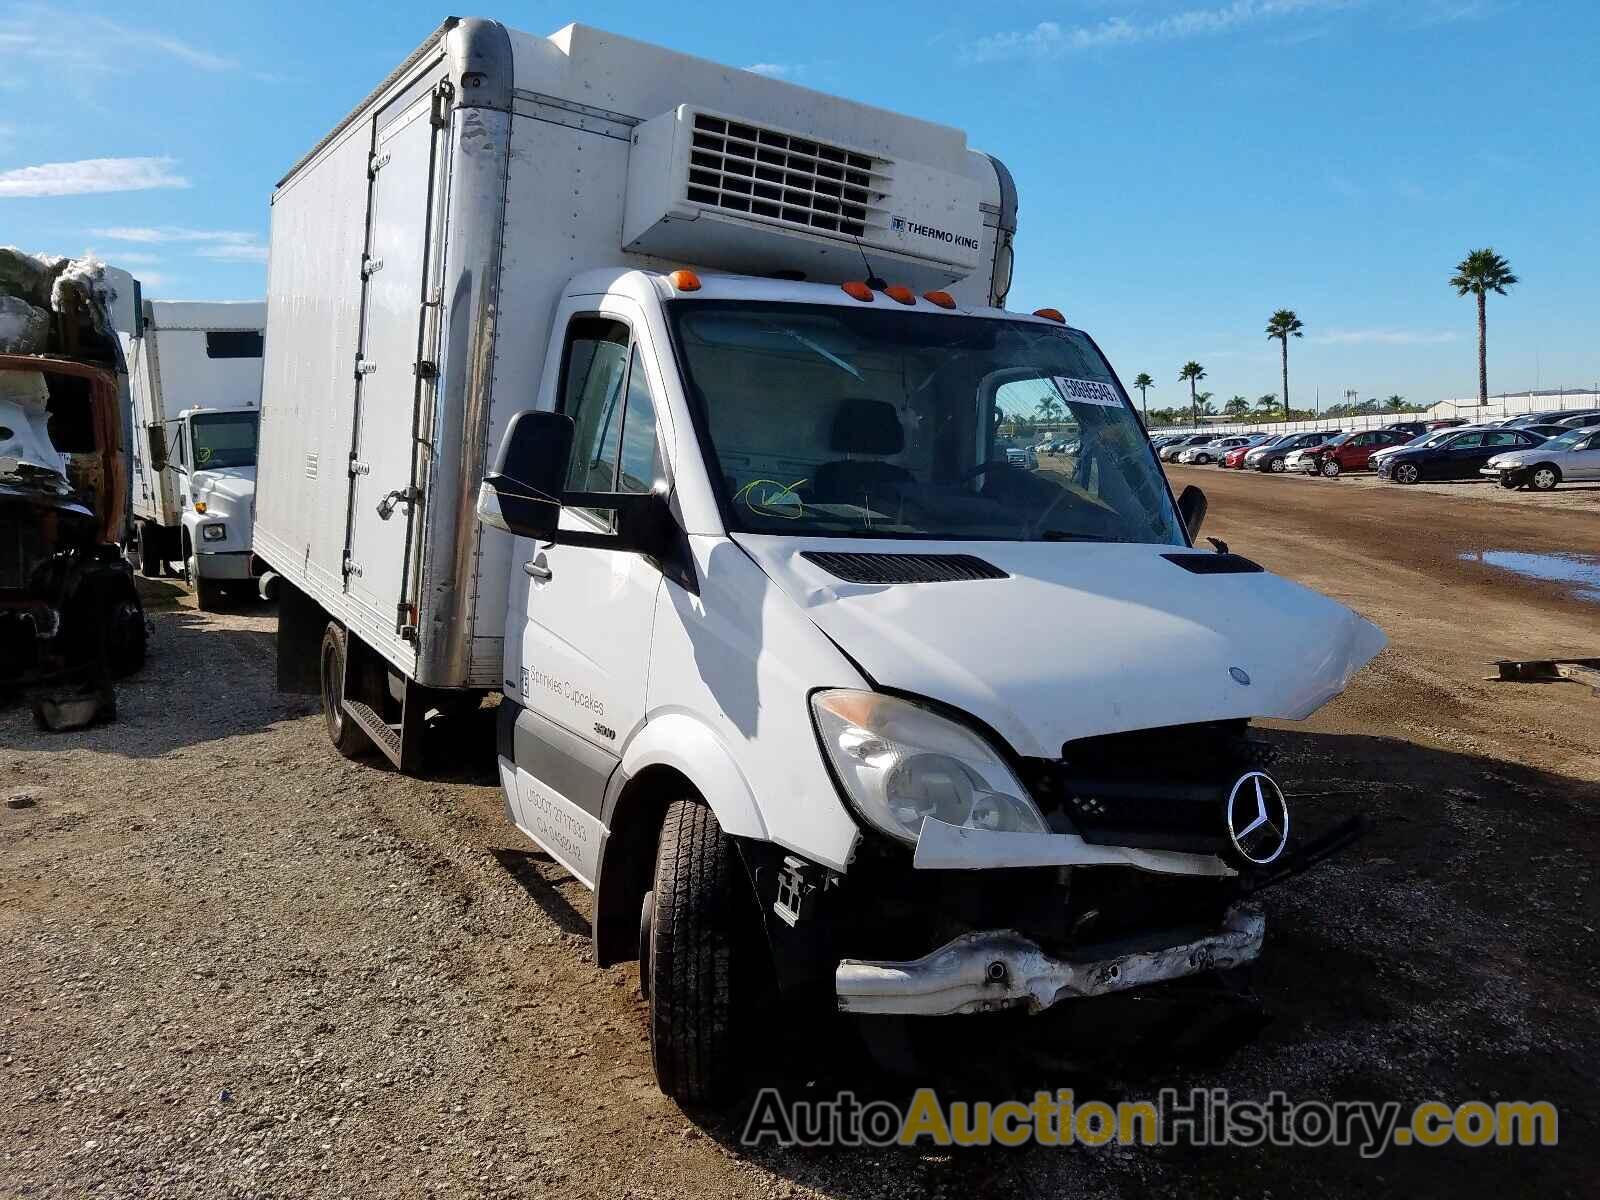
(1207,409)
(1144,383)
(1284,325)
(1192,371)
(1267,404)
(1048,406)
(1395,403)
(1481,272)
(1237,407)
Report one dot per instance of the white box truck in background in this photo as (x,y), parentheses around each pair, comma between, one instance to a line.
(194,376)
(665,399)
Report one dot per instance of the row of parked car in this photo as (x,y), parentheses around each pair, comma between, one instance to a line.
(1533,450)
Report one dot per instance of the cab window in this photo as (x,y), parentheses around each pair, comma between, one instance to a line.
(640,459)
(605,390)
(593,372)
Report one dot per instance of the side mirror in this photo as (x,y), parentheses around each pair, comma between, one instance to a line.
(158,448)
(1192,508)
(522,495)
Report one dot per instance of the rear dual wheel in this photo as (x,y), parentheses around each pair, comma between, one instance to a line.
(147,550)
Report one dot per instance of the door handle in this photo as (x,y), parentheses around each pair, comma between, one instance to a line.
(537,568)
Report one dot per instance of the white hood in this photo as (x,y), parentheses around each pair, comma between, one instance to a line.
(227,491)
(1082,639)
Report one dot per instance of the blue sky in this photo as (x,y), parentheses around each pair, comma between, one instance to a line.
(1184,167)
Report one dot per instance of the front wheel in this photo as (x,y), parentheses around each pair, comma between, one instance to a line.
(1277,466)
(1331,468)
(1407,473)
(695,951)
(1544,479)
(1201,459)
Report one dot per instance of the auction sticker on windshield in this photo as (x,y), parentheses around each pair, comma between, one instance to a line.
(1088,391)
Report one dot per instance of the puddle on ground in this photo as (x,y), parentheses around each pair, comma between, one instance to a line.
(1580,569)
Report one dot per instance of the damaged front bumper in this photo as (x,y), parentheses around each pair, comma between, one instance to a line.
(983,972)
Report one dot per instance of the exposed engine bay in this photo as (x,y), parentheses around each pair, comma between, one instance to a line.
(70,617)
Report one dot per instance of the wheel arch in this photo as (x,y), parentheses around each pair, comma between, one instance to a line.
(673,756)
(1556,467)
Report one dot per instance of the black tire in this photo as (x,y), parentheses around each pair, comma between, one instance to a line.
(208,595)
(207,592)
(1406,473)
(1331,468)
(147,551)
(1276,466)
(647,920)
(126,634)
(697,936)
(1544,477)
(347,737)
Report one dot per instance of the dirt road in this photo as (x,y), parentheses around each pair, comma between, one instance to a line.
(233,964)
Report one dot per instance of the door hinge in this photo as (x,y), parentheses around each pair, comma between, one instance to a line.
(350,567)
(370,267)
(364,366)
(376,163)
(443,94)
(357,467)
(425,369)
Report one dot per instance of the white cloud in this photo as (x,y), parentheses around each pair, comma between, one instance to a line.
(1384,337)
(1050,39)
(234,252)
(91,175)
(170,233)
(776,70)
(75,41)
(124,258)
(223,245)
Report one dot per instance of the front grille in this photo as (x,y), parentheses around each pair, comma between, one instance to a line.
(1161,789)
(785,177)
(903,568)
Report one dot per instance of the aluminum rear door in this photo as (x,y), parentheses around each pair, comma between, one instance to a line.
(399,269)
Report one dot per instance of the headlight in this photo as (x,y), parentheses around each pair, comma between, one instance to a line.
(900,762)
(213,533)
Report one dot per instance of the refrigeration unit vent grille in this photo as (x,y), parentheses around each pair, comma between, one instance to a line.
(767,173)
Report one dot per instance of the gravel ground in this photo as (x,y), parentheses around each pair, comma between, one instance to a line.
(236,965)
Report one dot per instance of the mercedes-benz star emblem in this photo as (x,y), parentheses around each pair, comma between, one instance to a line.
(1257,818)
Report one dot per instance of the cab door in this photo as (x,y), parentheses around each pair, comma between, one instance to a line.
(1582,462)
(588,612)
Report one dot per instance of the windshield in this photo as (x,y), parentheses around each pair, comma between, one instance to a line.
(823,420)
(1567,441)
(224,439)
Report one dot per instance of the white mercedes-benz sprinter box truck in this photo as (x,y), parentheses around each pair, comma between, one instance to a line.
(194,377)
(670,402)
